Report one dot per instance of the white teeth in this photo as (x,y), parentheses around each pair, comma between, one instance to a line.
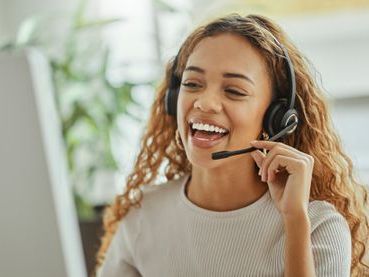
(207,127)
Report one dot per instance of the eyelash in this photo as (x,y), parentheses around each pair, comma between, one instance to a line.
(192,86)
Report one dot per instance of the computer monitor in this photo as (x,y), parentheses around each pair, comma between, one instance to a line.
(39,232)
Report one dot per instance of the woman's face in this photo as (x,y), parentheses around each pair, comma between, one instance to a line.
(225,84)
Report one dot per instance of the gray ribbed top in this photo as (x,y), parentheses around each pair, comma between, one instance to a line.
(171,236)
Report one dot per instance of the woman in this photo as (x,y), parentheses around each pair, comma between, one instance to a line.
(288,208)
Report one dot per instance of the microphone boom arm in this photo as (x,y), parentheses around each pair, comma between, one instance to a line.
(226,154)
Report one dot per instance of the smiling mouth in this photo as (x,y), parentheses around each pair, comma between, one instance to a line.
(204,134)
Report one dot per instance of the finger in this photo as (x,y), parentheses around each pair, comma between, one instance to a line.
(288,163)
(269,145)
(278,150)
(258,157)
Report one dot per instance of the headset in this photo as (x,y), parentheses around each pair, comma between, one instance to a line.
(280,119)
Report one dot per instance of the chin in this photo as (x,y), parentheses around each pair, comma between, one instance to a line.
(203,159)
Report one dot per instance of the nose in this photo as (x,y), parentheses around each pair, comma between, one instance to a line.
(208,102)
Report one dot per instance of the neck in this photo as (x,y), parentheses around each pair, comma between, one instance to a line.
(226,188)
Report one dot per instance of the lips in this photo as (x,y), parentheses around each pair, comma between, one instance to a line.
(203,140)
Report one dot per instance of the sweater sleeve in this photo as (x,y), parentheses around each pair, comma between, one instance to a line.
(119,256)
(331,244)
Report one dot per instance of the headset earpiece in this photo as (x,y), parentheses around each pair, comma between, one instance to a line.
(171,95)
(171,98)
(290,117)
(273,116)
(281,112)
(278,116)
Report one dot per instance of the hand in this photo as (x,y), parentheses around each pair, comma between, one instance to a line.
(288,173)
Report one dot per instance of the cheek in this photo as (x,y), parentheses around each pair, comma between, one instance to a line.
(246,121)
(243,116)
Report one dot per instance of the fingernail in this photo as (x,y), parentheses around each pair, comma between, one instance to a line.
(253,141)
(259,172)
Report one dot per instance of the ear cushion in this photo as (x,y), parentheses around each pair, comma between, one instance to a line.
(272,122)
(171,98)
(171,95)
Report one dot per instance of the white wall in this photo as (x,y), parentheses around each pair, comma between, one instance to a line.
(351,116)
(337,44)
(12,13)
(2,20)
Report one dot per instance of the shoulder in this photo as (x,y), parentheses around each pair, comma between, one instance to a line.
(330,239)
(154,197)
(162,190)
(325,213)
(162,194)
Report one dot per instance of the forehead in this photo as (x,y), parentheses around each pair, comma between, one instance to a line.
(227,52)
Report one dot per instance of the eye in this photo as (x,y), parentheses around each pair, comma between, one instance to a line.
(190,85)
(235,92)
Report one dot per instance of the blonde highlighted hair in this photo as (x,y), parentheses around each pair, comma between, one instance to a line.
(333,178)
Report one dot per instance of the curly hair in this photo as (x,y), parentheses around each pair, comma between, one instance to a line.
(333,178)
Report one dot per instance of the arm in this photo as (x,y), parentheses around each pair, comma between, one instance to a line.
(288,173)
(299,259)
(326,251)
(331,245)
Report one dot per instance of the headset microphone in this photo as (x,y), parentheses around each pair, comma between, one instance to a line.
(225,154)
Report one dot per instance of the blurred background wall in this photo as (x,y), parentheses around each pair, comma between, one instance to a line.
(12,13)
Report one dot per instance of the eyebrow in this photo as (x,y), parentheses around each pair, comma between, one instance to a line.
(225,74)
